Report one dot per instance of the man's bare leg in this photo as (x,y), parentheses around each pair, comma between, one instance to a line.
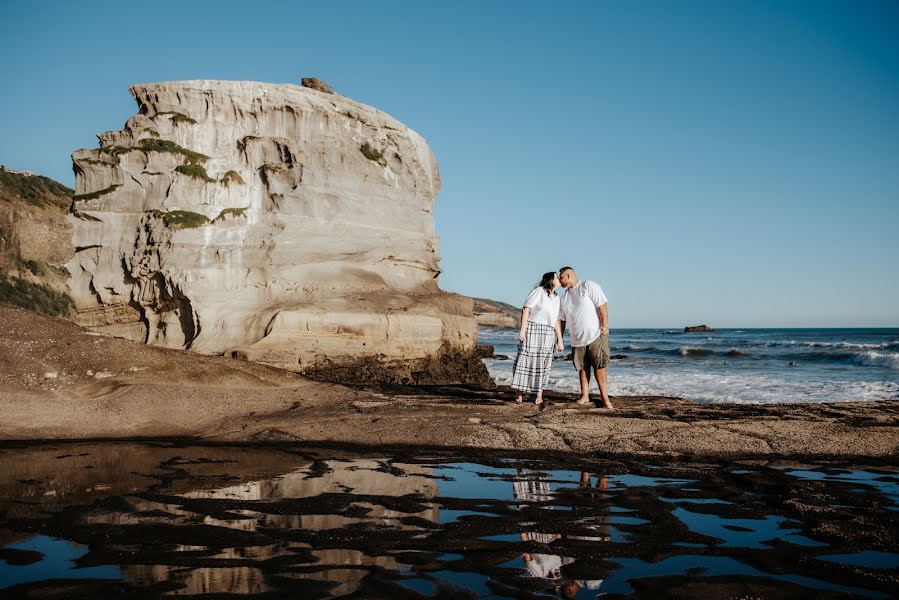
(584,375)
(602,378)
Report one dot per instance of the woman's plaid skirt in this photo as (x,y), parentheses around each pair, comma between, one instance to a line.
(530,372)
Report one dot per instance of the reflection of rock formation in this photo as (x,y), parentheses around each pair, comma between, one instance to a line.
(342,477)
(269,221)
(205,580)
(359,476)
(71,474)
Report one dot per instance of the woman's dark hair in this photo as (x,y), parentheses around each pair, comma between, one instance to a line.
(546,282)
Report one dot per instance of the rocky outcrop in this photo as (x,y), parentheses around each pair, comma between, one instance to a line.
(270,222)
(492,313)
(698,329)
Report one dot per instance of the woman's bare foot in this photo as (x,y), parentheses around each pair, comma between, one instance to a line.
(584,400)
(609,405)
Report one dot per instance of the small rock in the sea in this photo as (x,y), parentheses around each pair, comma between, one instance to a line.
(618,357)
(501,357)
(698,329)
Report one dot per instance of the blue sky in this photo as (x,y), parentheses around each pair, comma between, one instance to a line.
(735,163)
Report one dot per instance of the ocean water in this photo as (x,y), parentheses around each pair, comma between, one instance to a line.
(733,365)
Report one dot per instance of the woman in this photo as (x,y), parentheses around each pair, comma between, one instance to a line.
(540,329)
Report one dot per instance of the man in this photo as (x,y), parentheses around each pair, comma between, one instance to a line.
(584,309)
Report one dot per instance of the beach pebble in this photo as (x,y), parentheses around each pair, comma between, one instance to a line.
(51,375)
(102,374)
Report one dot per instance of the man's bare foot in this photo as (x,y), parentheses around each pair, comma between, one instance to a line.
(538,400)
(584,400)
(518,399)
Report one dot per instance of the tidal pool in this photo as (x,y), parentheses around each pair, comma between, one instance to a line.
(144,520)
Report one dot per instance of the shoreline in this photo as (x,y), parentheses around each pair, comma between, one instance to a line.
(157,394)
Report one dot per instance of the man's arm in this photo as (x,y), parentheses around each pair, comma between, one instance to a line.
(603,312)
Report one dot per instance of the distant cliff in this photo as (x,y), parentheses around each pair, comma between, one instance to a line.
(35,241)
(270,222)
(492,313)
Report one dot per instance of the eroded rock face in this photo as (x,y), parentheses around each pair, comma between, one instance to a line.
(270,222)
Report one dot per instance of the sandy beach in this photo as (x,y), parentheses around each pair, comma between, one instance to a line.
(61,382)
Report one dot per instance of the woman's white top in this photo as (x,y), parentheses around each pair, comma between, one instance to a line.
(544,308)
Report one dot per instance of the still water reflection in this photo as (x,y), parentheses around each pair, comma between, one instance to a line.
(152,520)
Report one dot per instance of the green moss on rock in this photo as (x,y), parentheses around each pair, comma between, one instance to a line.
(233,212)
(232,177)
(370,152)
(195,171)
(97,194)
(94,161)
(182,219)
(176,117)
(154,145)
(114,150)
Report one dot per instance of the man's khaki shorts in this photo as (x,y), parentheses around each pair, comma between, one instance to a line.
(594,356)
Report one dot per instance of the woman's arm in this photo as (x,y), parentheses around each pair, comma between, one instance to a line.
(560,345)
(524,323)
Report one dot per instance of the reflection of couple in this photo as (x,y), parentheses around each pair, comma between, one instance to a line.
(584,309)
(549,566)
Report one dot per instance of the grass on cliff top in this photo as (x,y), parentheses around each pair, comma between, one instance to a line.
(33,296)
(35,190)
(176,117)
(97,194)
(182,219)
(195,171)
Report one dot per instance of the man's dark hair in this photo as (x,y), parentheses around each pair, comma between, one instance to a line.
(563,269)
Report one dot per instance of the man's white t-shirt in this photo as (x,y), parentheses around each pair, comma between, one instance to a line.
(578,310)
(544,308)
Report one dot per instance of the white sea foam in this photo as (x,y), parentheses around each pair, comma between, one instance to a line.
(873,358)
(713,387)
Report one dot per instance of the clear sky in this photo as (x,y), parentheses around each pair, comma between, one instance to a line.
(735,163)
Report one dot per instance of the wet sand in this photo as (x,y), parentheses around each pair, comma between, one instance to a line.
(61,382)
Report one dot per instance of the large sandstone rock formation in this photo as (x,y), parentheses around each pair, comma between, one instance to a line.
(270,222)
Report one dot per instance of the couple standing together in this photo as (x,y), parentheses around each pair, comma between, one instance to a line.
(584,310)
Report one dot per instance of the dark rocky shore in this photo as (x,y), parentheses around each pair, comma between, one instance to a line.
(61,382)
